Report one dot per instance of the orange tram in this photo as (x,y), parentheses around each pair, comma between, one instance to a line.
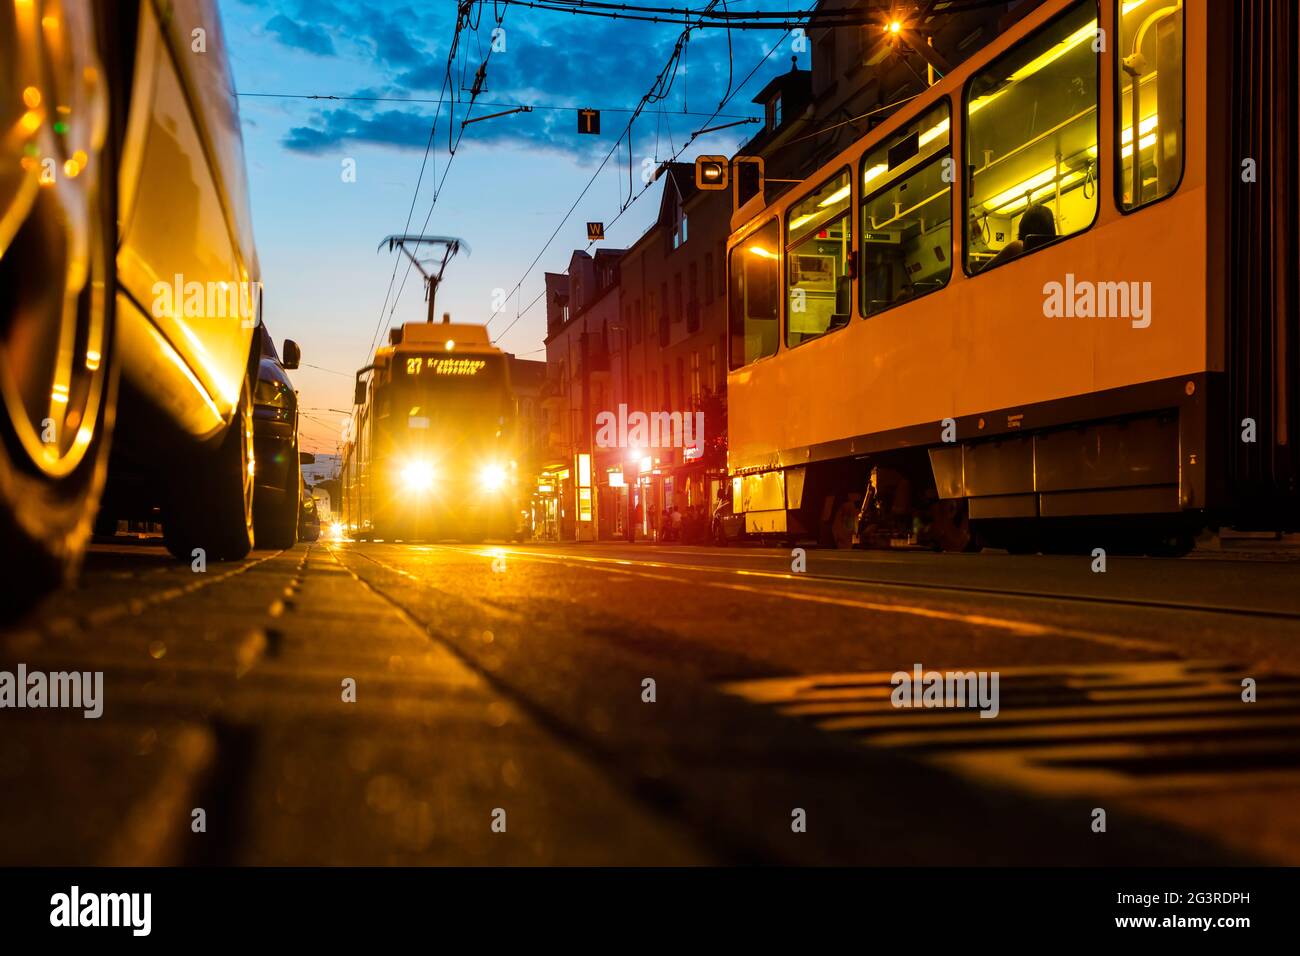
(1051,302)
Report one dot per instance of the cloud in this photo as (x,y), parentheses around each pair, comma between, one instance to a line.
(337,128)
(300,36)
(548,60)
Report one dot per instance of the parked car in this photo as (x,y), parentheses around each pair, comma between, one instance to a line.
(132,292)
(277,475)
(308,517)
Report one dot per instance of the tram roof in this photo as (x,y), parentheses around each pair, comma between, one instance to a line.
(421,336)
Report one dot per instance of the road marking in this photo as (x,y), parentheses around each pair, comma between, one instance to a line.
(1019,628)
(1065,729)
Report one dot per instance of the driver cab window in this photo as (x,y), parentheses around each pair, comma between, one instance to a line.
(818,284)
(755,302)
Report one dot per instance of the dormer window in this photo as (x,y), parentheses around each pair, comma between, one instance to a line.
(774,112)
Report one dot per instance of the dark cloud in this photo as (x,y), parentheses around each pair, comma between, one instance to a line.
(300,36)
(549,59)
(334,129)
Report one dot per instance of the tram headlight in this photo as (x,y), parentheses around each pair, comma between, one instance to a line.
(492,477)
(417,476)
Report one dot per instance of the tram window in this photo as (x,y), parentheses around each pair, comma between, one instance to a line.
(1031,142)
(1149,64)
(818,286)
(907,213)
(755,305)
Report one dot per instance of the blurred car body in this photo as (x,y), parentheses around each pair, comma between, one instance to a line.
(276,474)
(309,517)
(132,296)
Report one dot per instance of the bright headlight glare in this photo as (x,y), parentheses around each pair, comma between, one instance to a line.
(492,477)
(418,475)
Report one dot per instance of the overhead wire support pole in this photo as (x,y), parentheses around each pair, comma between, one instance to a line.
(479,119)
(714,129)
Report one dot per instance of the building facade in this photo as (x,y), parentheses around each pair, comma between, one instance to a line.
(644,331)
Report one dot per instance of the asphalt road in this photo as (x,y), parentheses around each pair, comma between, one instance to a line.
(345,703)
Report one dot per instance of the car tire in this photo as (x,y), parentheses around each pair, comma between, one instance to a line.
(58,370)
(210,499)
(275,525)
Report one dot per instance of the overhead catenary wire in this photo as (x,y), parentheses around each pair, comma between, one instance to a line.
(415,197)
(451,151)
(747,20)
(504,105)
(659,90)
(729,95)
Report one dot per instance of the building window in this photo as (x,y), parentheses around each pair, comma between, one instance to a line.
(1149,64)
(668,389)
(679,226)
(679,303)
(708,279)
(825,64)
(681,381)
(665,322)
(722,268)
(907,213)
(695,379)
(1031,142)
(711,369)
(818,237)
(755,303)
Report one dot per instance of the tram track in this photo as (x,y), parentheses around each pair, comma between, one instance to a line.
(841,579)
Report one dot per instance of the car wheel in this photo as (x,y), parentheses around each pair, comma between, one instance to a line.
(210,499)
(58,220)
(276,523)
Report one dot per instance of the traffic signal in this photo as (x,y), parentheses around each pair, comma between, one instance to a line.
(711,172)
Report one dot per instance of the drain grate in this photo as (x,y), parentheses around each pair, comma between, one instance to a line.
(1117,727)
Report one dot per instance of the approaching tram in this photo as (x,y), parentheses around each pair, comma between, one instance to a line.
(431,452)
(1051,300)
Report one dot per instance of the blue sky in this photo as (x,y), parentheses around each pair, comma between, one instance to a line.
(510,183)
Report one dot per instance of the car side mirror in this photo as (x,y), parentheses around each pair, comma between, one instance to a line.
(306,458)
(359,394)
(292,354)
